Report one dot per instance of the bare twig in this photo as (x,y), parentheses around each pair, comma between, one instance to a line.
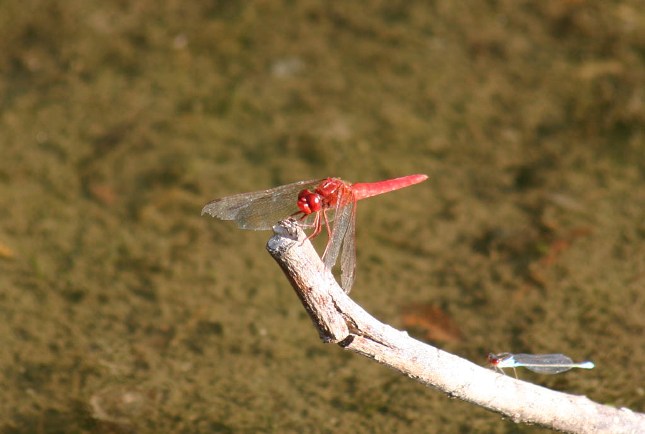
(338,319)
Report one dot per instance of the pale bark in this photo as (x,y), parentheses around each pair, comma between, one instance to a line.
(339,320)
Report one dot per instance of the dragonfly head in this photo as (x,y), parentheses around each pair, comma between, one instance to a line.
(309,202)
(493,359)
(496,359)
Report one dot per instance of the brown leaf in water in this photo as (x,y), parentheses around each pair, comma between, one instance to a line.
(563,243)
(103,193)
(431,321)
(6,252)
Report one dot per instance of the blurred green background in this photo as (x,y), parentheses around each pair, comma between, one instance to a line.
(123,310)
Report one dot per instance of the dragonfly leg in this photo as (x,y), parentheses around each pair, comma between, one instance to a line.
(324,213)
(301,216)
(317,225)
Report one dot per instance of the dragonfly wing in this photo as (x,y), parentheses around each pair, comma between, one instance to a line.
(342,221)
(259,210)
(552,370)
(543,359)
(544,363)
(348,252)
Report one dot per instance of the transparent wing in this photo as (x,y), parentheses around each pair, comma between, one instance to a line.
(342,235)
(259,210)
(544,363)
(348,252)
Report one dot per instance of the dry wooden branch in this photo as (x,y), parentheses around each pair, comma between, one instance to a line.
(339,320)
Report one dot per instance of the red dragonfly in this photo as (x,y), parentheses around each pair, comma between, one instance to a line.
(313,199)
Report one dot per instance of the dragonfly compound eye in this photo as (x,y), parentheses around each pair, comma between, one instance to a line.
(309,202)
